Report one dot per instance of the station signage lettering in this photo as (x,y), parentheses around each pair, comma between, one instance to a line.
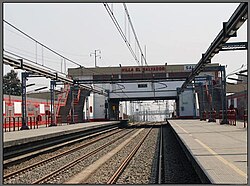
(189,67)
(141,69)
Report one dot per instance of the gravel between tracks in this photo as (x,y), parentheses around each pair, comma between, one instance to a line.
(37,173)
(46,155)
(142,159)
(139,168)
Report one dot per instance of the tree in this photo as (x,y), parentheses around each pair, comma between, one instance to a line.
(12,84)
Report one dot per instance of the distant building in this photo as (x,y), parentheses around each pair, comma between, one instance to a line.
(239,102)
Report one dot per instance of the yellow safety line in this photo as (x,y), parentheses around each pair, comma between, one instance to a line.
(236,169)
(181,128)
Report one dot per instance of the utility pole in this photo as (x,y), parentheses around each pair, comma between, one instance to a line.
(95,54)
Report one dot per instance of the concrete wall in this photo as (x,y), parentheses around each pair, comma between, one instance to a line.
(97,102)
(145,90)
(187,104)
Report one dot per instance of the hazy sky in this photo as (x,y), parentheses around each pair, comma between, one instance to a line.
(173,33)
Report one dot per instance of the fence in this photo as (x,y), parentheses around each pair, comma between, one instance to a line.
(69,119)
(231,116)
(245,118)
(15,123)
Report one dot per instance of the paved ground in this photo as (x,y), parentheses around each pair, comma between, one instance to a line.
(220,150)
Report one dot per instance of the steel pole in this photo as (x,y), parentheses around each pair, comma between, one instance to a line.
(224,98)
(24,104)
(52,103)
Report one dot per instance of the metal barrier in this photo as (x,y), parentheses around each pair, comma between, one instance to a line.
(59,119)
(220,116)
(203,116)
(212,116)
(47,120)
(245,118)
(33,122)
(11,123)
(231,116)
(69,119)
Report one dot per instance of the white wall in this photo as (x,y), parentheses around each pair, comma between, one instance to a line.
(186,102)
(91,104)
(132,90)
(99,106)
(86,108)
(3,107)
(18,107)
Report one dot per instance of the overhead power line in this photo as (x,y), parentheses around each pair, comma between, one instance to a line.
(112,16)
(53,51)
(136,38)
(42,44)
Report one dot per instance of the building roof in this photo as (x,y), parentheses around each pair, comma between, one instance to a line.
(236,87)
(82,71)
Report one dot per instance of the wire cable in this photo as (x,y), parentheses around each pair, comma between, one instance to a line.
(110,12)
(65,58)
(136,38)
(42,44)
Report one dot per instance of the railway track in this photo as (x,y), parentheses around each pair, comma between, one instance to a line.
(123,165)
(136,155)
(19,153)
(160,177)
(56,157)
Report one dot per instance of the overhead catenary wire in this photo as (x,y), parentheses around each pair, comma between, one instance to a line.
(41,43)
(65,58)
(136,38)
(53,51)
(110,12)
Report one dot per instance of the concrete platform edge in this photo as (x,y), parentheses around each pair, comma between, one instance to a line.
(205,178)
(47,136)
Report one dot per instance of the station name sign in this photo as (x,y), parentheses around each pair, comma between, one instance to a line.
(141,69)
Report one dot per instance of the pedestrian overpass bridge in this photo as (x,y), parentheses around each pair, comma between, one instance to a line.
(137,83)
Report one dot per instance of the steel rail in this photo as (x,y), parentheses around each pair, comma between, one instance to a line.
(42,162)
(122,167)
(159,181)
(73,163)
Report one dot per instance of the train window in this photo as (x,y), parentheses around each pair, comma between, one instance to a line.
(90,109)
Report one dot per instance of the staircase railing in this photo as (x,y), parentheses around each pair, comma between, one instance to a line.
(62,99)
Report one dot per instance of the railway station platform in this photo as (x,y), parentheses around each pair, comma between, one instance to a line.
(27,136)
(219,150)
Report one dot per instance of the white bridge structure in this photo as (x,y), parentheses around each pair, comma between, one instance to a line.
(140,83)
